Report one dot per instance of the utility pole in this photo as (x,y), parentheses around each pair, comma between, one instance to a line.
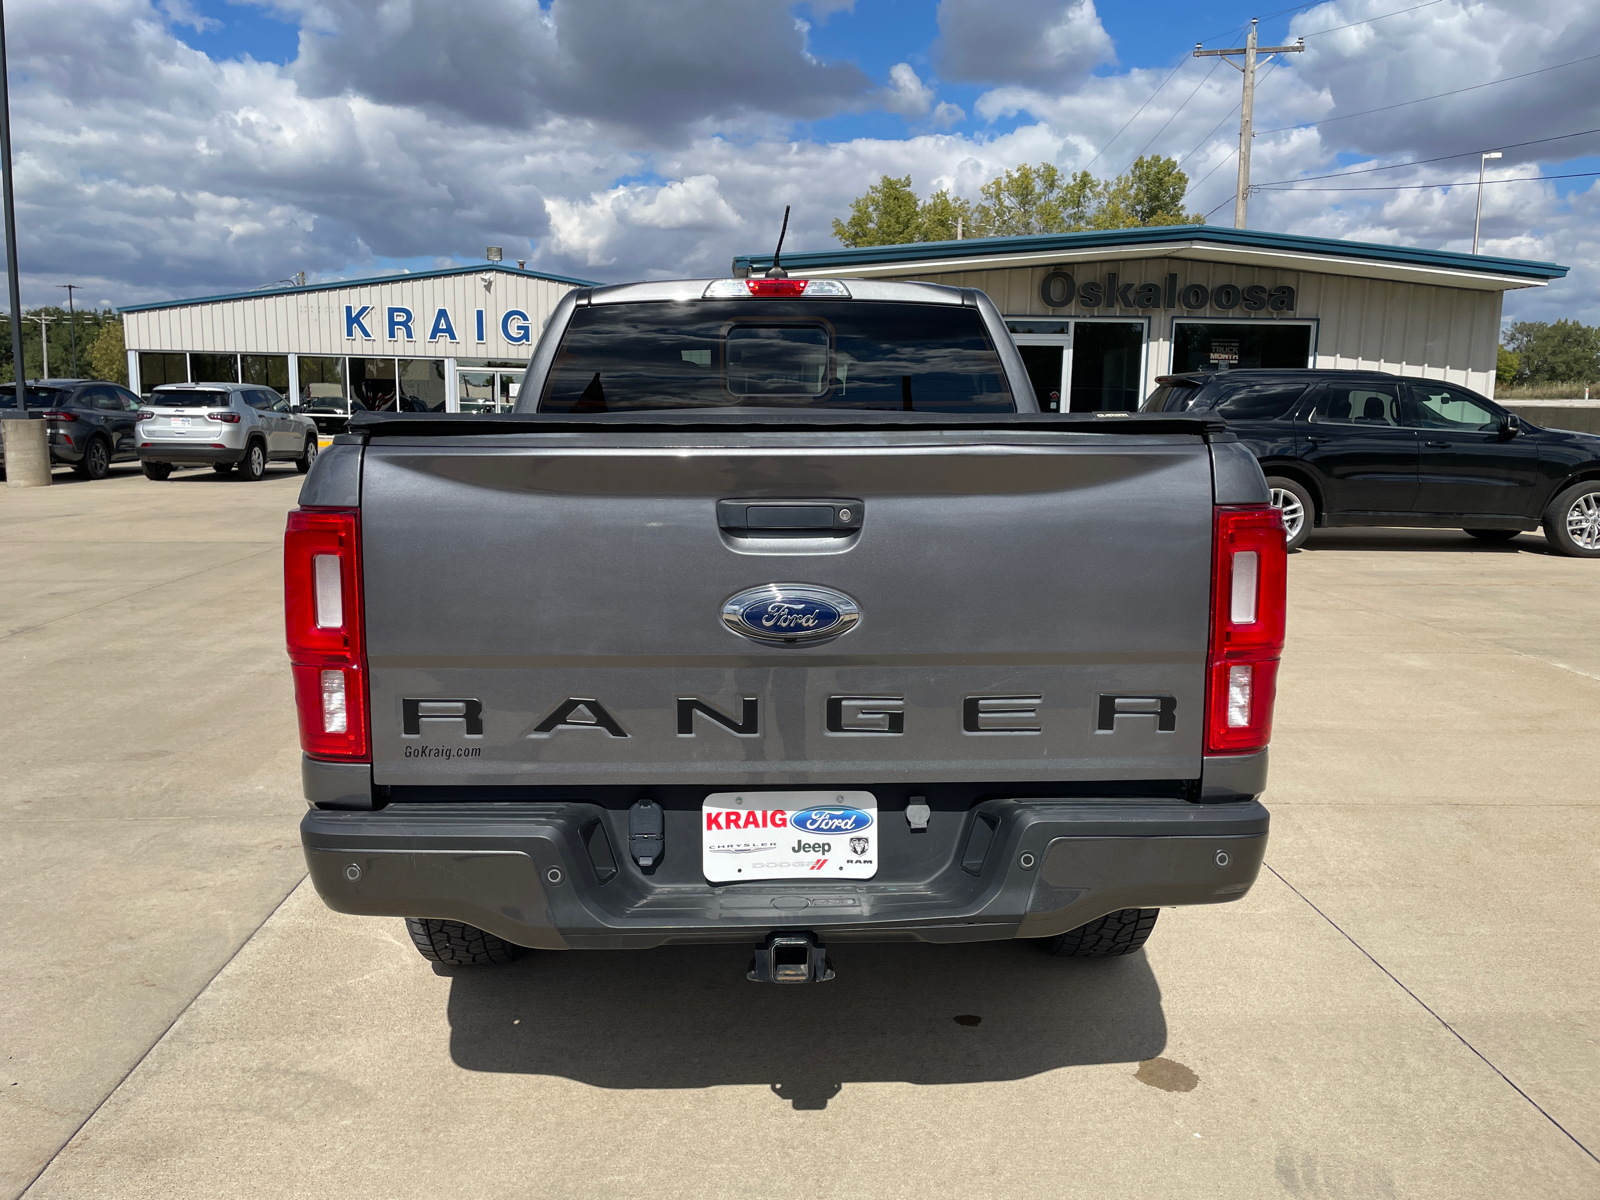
(11,224)
(1478,220)
(1247,111)
(44,343)
(72,324)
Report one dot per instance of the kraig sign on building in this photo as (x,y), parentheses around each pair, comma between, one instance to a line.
(400,323)
(1058,289)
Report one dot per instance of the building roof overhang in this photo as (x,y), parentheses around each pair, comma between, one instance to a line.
(334,285)
(1283,251)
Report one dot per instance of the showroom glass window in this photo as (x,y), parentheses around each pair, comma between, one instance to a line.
(1236,345)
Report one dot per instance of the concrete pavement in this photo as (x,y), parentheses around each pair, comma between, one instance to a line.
(1404,1005)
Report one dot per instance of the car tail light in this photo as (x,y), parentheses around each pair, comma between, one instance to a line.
(230,418)
(327,643)
(53,415)
(743,289)
(1249,579)
(146,415)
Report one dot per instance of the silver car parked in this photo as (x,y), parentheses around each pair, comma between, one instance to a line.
(225,424)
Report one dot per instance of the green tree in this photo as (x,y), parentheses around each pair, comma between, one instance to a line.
(108,358)
(888,215)
(1508,367)
(937,217)
(1024,200)
(1150,192)
(1556,351)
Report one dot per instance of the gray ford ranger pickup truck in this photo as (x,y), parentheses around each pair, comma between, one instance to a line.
(777,614)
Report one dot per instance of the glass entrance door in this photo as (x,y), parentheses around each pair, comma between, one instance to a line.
(1046,348)
(488,391)
(1107,365)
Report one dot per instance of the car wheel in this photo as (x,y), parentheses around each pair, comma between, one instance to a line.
(153,470)
(1572,522)
(305,461)
(254,464)
(457,944)
(1121,932)
(1299,510)
(1492,535)
(96,461)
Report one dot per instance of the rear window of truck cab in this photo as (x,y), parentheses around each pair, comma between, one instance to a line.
(844,354)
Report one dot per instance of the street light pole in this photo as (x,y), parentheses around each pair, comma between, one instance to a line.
(72,324)
(11,224)
(44,343)
(1478,220)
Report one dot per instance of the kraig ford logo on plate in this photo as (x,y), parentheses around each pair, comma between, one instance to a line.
(790,613)
(830,820)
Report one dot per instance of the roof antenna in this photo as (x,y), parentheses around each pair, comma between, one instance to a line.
(775,271)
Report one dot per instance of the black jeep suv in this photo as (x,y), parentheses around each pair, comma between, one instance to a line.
(1370,448)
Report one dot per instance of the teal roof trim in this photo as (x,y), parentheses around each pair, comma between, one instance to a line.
(1112,239)
(335,284)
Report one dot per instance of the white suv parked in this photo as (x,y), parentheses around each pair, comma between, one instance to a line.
(224,424)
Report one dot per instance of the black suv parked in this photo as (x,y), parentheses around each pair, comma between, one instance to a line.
(1370,448)
(91,423)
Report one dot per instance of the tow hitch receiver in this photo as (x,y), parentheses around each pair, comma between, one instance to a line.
(790,958)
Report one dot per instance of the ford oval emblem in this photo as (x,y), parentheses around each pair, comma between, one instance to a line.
(790,613)
(830,820)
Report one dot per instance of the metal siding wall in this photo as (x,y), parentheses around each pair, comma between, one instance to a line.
(313,322)
(1362,324)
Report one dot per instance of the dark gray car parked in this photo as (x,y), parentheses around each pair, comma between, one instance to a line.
(90,422)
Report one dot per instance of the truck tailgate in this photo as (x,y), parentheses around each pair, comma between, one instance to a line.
(1006,582)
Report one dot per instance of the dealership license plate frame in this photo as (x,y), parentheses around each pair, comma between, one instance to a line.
(763,849)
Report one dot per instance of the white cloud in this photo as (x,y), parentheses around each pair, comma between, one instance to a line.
(906,93)
(1039,43)
(146,170)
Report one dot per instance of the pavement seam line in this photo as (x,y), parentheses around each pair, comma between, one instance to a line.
(1424,1006)
(130,595)
(139,1062)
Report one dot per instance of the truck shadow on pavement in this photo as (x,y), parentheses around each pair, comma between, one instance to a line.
(685,1017)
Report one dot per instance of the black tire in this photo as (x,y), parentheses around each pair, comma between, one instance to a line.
(157,471)
(222,468)
(1572,521)
(253,465)
(96,460)
(1492,535)
(1285,494)
(305,462)
(1121,932)
(457,944)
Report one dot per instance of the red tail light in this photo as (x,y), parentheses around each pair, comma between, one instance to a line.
(1249,579)
(776,287)
(327,644)
(231,418)
(146,415)
(53,415)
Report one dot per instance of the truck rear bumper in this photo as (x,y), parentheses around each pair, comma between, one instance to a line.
(550,875)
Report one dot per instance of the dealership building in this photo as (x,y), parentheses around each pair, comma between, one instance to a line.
(456,339)
(1098,316)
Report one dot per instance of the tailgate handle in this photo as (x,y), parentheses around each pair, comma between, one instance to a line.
(780,518)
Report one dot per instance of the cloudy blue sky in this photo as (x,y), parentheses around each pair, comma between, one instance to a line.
(169,148)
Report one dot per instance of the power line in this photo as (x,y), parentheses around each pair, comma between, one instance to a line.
(1133,118)
(1417,162)
(1409,187)
(1370,20)
(1175,112)
(1436,96)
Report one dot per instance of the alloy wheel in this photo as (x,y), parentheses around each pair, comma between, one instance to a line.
(1583,520)
(1294,513)
(99,461)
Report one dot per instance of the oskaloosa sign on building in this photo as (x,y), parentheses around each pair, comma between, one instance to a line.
(1058,289)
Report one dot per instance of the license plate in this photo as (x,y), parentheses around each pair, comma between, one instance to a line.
(180,422)
(789,835)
